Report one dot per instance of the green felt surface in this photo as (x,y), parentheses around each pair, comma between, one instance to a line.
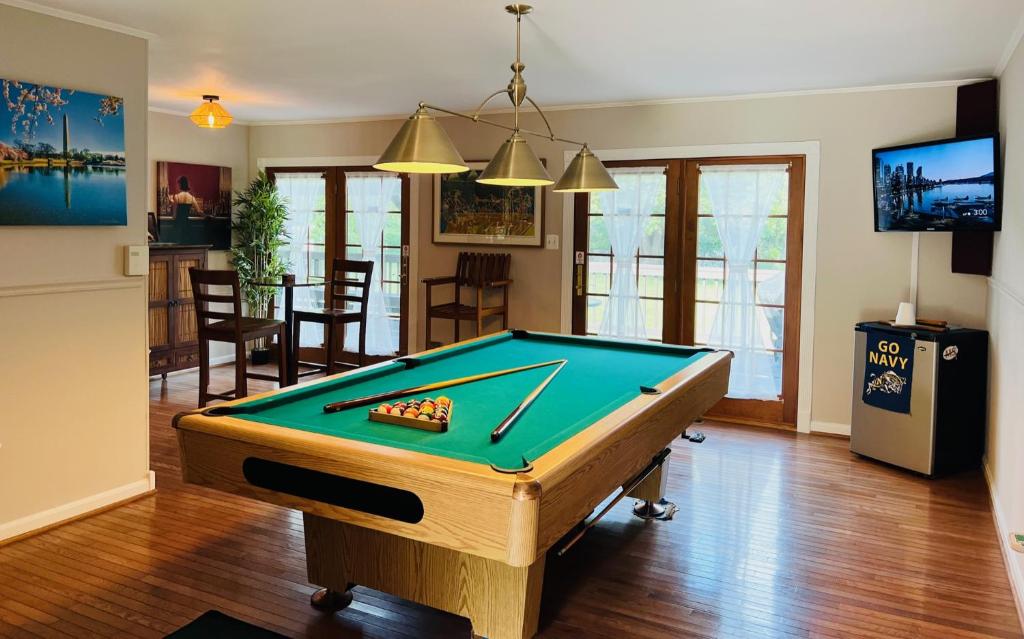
(599,377)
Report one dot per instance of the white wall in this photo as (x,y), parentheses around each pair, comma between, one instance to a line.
(861,275)
(74,421)
(1004,463)
(174,138)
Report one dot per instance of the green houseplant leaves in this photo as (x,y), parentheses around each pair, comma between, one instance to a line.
(259,236)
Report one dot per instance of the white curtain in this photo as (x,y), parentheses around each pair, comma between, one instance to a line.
(625,214)
(371,196)
(304,192)
(741,197)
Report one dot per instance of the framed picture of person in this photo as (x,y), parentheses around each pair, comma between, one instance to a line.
(193,204)
(467,212)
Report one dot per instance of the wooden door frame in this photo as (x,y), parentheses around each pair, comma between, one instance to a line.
(781,413)
(334,244)
(339,245)
(671,331)
(681,223)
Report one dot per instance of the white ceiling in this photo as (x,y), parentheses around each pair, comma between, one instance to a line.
(279,60)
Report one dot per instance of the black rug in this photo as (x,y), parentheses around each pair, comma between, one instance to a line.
(213,623)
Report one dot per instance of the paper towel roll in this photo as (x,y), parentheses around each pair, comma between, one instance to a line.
(906,315)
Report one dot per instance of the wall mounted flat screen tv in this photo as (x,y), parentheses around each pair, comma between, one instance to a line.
(945,185)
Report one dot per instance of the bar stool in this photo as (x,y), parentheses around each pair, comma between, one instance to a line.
(232,327)
(339,292)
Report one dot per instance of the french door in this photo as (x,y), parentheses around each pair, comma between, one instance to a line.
(687,276)
(325,227)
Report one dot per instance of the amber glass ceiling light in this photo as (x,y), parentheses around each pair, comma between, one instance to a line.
(211,115)
(422,146)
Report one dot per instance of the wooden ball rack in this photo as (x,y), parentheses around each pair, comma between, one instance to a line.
(413,422)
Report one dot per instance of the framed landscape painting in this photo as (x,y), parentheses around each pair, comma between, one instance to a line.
(62,158)
(466,212)
(193,204)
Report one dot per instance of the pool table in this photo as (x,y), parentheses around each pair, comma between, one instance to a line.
(453,520)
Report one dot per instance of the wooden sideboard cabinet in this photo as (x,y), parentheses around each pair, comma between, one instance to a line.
(173,338)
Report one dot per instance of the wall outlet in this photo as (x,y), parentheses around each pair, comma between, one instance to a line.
(551,242)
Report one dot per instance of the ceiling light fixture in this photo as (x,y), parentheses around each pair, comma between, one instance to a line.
(422,146)
(211,115)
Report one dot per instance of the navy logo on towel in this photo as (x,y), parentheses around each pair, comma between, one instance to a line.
(888,371)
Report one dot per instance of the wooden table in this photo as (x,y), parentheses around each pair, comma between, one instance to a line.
(454,520)
(289,285)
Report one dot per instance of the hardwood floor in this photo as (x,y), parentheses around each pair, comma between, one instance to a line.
(777,536)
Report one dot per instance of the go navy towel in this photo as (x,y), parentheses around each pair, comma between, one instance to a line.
(888,371)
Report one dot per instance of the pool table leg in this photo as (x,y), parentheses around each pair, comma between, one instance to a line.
(329,600)
(501,601)
(651,496)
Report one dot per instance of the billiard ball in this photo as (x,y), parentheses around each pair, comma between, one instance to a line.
(411,412)
(384,408)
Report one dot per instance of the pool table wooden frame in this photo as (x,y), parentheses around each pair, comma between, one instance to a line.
(479,549)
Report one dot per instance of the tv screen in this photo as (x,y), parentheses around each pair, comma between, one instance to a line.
(945,185)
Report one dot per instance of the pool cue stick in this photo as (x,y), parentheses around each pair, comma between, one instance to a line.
(658,460)
(507,423)
(334,407)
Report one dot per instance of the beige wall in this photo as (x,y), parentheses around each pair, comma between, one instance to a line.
(860,274)
(1005,455)
(74,425)
(173,138)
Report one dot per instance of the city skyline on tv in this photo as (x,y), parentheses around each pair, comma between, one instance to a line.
(940,186)
(952,160)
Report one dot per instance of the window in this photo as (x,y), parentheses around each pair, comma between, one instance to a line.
(639,223)
(388,257)
(766,276)
(322,226)
(681,266)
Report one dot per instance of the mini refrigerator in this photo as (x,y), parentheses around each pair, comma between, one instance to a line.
(944,431)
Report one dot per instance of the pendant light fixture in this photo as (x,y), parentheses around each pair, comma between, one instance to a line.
(210,114)
(422,146)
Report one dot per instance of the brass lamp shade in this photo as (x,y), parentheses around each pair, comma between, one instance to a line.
(211,115)
(421,146)
(585,174)
(515,164)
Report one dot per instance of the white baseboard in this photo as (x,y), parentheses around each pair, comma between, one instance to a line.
(1013,569)
(76,508)
(831,428)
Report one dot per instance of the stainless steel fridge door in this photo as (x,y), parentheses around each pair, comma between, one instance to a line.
(904,440)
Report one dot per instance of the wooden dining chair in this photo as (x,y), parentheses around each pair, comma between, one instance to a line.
(342,291)
(227,324)
(479,271)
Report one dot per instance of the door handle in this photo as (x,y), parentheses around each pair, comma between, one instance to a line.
(581,259)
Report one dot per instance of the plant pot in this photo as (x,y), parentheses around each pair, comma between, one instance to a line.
(260,356)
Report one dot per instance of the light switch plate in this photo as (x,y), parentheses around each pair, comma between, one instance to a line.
(551,242)
(136,259)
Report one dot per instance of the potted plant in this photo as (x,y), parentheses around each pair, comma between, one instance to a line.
(259,235)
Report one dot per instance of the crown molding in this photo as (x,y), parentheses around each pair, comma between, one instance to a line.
(81,19)
(641,103)
(1011,47)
